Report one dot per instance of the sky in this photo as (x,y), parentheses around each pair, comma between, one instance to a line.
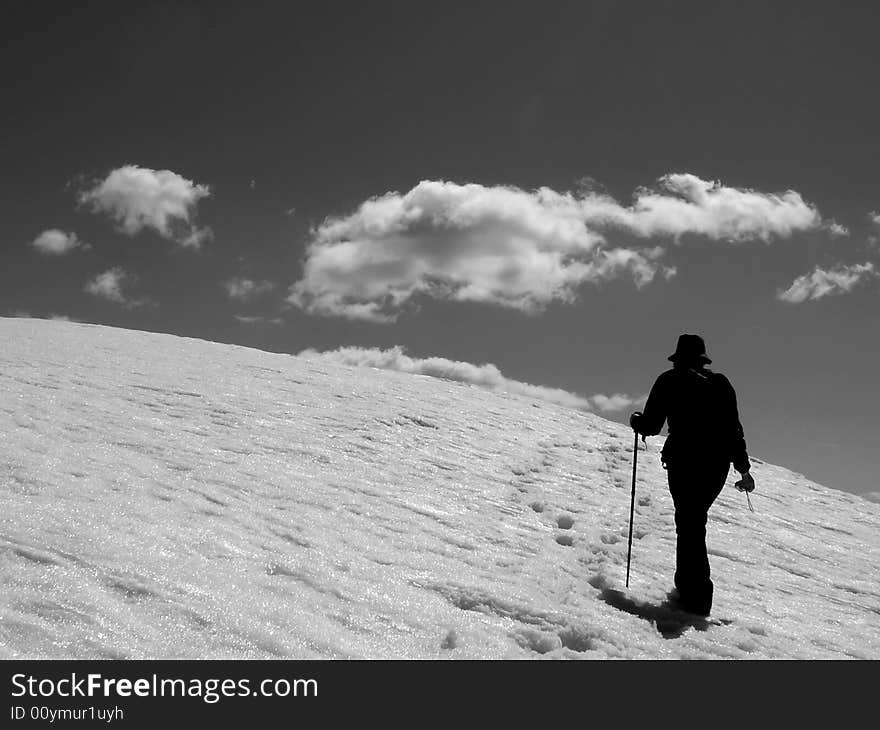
(558,193)
(208,501)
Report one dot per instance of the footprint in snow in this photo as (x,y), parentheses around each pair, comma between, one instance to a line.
(450,641)
(564,522)
(565,539)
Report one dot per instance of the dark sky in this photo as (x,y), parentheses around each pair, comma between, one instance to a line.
(294,112)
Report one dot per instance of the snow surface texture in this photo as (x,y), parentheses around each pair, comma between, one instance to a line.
(168,497)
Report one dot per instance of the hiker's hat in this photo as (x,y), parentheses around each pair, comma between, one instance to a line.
(690,347)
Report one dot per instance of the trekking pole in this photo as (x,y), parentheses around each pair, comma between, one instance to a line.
(632,504)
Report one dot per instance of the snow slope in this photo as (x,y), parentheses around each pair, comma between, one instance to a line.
(168,497)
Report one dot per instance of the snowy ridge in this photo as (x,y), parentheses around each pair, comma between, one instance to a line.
(170,497)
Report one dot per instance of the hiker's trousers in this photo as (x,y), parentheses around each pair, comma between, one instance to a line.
(694,486)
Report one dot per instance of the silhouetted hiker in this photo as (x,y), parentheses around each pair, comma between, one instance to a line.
(704,437)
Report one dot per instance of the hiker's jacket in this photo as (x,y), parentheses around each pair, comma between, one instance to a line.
(700,409)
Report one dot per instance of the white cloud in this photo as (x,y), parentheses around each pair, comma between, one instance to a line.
(22,314)
(241,288)
(138,197)
(257,320)
(485,376)
(686,204)
(821,283)
(53,242)
(640,264)
(108,285)
(517,249)
(874,217)
(836,230)
(616,402)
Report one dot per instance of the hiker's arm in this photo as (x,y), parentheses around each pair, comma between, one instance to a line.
(650,422)
(739,453)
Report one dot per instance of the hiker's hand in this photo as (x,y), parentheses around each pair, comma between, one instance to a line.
(634,420)
(746,484)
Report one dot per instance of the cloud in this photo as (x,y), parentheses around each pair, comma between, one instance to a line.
(138,198)
(53,242)
(257,320)
(874,217)
(243,289)
(486,376)
(616,402)
(836,230)
(821,283)
(108,285)
(22,314)
(685,204)
(512,248)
